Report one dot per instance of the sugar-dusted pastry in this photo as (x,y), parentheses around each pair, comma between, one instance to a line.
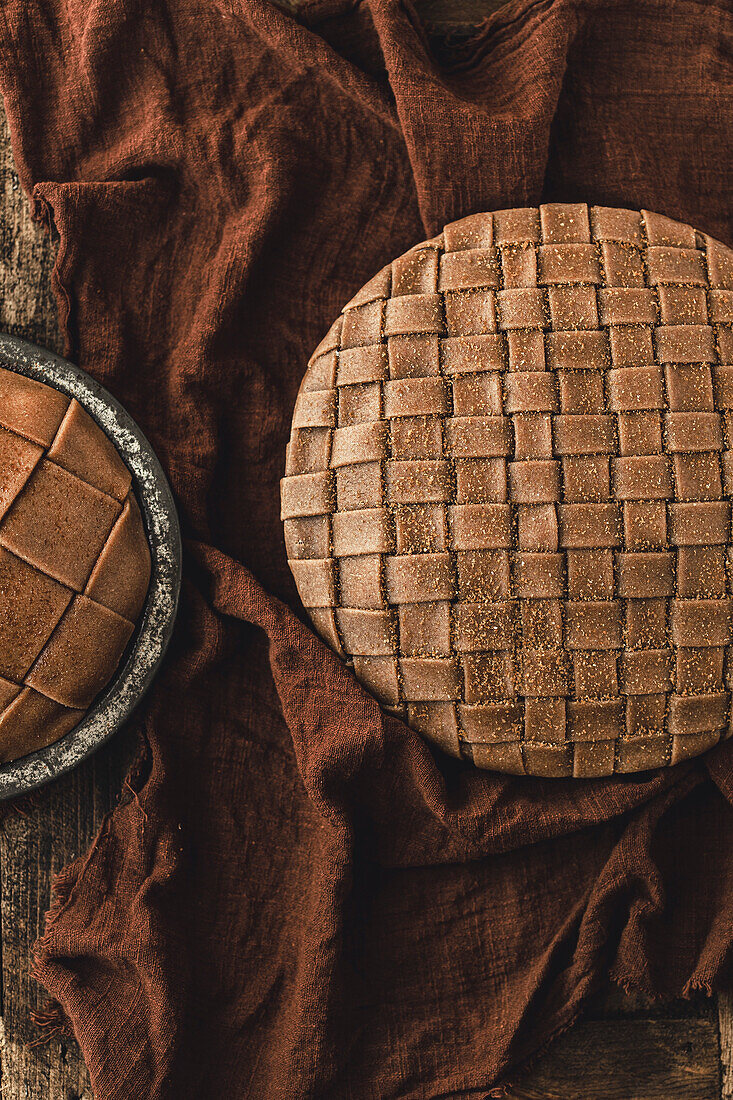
(74,563)
(507,490)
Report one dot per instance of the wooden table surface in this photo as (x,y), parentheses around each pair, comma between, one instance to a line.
(625,1048)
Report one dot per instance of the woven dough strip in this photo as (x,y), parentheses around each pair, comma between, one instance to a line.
(506,499)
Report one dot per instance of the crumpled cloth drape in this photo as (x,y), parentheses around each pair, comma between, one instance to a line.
(303,899)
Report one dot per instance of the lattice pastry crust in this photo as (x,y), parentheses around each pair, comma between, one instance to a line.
(74,563)
(507,489)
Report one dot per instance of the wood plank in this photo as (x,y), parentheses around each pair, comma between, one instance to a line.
(65,816)
(26,260)
(725,1021)
(636,1059)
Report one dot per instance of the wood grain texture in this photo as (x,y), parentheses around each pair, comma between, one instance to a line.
(636,1059)
(628,1048)
(26,260)
(725,1022)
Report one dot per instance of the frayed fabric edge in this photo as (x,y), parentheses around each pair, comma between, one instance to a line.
(690,989)
(52,1021)
(44,213)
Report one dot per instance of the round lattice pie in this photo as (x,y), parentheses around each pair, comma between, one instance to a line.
(74,563)
(507,490)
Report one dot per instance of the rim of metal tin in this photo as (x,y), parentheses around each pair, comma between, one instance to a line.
(153,633)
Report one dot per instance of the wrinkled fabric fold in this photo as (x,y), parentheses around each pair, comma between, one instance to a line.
(303,898)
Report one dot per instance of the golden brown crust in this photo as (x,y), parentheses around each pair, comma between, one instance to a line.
(74,563)
(507,489)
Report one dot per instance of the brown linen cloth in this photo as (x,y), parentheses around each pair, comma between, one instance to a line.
(304,900)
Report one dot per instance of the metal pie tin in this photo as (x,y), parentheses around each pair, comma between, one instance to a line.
(147,647)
